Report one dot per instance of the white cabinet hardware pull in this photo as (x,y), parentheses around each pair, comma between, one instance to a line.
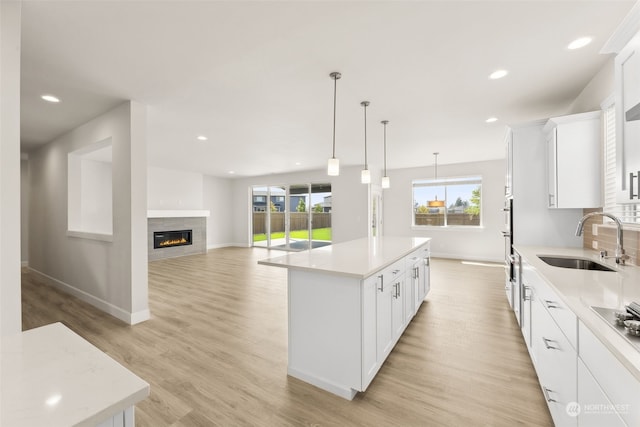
(546,392)
(551,304)
(527,296)
(396,271)
(547,345)
(381,277)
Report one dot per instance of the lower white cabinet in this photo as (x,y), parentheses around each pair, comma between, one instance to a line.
(594,408)
(616,383)
(583,383)
(123,419)
(383,325)
(556,367)
(554,356)
(397,309)
(370,316)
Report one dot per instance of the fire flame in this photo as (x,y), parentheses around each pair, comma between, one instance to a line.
(173,242)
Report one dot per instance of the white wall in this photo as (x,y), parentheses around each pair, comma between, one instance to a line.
(173,189)
(96,213)
(24,210)
(596,91)
(110,275)
(349,201)
(10,303)
(485,243)
(217,197)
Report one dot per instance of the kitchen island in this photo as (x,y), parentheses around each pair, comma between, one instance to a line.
(348,304)
(53,377)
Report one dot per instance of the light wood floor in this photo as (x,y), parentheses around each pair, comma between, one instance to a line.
(215,350)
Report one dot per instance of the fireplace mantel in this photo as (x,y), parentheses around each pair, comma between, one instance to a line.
(177,213)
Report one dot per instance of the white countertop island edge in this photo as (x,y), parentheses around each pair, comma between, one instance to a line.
(52,376)
(358,258)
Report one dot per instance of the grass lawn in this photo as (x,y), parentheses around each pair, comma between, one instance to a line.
(317,234)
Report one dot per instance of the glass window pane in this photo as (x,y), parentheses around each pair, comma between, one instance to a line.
(447,202)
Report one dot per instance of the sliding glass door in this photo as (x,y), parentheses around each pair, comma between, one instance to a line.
(269,220)
(296,217)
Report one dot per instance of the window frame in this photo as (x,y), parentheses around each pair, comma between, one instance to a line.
(447,182)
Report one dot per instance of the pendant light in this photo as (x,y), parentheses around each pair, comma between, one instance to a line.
(386,182)
(333,166)
(436,203)
(365,175)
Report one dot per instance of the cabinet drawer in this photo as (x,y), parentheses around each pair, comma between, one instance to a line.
(557,369)
(393,272)
(416,255)
(617,383)
(563,316)
(595,408)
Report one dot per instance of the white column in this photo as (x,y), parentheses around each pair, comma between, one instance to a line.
(10,304)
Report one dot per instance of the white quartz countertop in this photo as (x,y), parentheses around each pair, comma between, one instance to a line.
(581,289)
(356,258)
(53,377)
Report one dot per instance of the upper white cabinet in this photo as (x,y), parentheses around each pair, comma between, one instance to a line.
(573,161)
(625,44)
(627,75)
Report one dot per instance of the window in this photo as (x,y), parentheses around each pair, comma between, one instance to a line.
(450,202)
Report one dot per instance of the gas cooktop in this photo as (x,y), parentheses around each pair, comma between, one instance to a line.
(613,318)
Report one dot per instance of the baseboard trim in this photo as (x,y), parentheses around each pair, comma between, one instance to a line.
(107,307)
(466,258)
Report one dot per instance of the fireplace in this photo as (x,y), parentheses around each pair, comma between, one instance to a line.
(167,239)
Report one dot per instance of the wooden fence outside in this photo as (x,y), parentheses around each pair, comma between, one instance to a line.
(297,221)
(452,219)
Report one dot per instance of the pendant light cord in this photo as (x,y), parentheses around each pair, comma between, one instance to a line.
(335,86)
(365,104)
(385,147)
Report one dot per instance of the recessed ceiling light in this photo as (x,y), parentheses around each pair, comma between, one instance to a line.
(231,172)
(298,163)
(50,98)
(491,119)
(498,74)
(578,43)
(202,138)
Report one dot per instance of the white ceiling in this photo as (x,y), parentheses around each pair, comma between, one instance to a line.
(254,76)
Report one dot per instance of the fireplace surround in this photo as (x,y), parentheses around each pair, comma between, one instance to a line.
(180,225)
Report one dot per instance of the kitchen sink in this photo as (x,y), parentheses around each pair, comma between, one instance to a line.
(575,263)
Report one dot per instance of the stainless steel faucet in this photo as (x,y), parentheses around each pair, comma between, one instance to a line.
(619,255)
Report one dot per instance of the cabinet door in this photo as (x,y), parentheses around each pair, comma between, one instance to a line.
(526,322)
(397,308)
(508,182)
(425,278)
(557,370)
(627,82)
(407,296)
(383,317)
(594,408)
(369,332)
(552,167)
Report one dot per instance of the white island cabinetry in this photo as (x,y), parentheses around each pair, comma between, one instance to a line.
(348,305)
